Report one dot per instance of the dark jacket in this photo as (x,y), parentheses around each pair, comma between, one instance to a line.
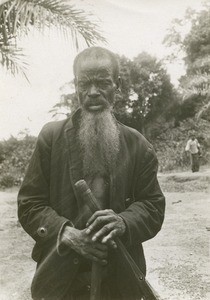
(47,200)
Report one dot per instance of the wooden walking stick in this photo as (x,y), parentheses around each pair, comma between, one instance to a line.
(96,272)
(148,292)
(95,288)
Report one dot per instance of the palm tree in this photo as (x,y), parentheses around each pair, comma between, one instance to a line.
(19,16)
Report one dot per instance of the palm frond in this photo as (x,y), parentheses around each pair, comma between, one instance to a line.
(20,14)
(13,60)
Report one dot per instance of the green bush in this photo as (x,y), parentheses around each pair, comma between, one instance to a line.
(14,158)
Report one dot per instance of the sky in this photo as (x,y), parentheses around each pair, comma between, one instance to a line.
(130,27)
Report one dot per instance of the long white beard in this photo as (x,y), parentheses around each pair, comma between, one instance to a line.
(99,140)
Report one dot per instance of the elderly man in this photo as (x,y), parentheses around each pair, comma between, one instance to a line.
(120,167)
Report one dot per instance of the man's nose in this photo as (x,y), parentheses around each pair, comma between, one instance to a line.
(93,91)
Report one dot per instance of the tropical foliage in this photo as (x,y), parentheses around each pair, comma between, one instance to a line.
(152,93)
(15,154)
(194,46)
(20,16)
(146,100)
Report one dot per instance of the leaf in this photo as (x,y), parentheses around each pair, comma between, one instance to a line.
(12,59)
(18,16)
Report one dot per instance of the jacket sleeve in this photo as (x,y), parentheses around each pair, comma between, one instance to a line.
(144,217)
(36,216)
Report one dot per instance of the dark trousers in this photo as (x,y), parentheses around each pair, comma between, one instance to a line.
(195,164)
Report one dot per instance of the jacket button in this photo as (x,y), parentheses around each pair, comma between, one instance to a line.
(76,261)
(42,231)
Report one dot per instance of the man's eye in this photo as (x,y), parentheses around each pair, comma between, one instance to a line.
(104,83)
(99,83)
(82,85)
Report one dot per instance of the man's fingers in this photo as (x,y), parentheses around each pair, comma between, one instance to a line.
(103,231)
(97,253)
(98,222)
(112,244)
(110,236)
(98,213)
(101,247)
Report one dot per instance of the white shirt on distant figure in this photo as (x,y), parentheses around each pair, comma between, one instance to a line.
(192,146)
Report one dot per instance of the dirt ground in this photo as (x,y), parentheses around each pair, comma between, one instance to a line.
(177,258)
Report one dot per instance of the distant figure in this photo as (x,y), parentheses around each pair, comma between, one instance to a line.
(193,147)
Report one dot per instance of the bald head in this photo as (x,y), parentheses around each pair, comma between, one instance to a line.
(97,53)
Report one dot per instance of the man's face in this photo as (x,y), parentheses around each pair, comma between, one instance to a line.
(95,84)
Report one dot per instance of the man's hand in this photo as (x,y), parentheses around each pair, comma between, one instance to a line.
(105,225)
(83,244)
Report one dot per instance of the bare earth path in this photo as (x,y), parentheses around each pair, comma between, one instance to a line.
(177,258)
